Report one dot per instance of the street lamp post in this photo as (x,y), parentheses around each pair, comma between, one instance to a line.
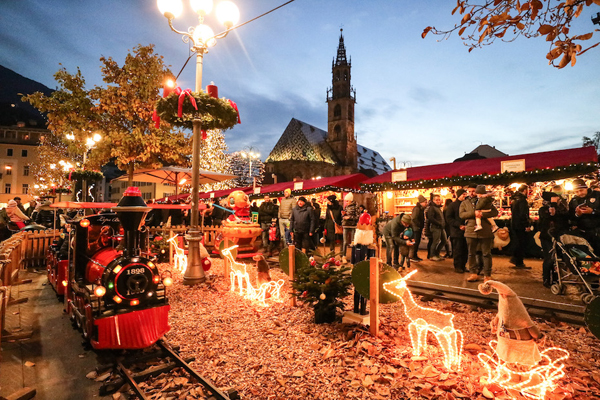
(201,37)
(250,156)
(90,142)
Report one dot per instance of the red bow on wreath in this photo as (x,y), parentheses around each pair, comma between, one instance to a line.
(232,104)
(182,94)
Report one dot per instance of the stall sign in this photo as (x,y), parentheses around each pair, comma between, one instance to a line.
(399,176)
(512,165)
(298,185)
(212,195)
(257,190)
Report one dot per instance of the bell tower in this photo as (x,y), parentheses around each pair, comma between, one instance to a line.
(341,98)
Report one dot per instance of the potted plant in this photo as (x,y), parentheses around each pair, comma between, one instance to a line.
(322,284)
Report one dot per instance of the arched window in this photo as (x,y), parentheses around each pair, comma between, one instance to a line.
(337,111)
(350,114)
(337,75)
(337,130)
(345,74)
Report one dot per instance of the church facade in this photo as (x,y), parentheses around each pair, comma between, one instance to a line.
(304,151)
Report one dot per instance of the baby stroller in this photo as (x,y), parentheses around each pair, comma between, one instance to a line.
(576,264)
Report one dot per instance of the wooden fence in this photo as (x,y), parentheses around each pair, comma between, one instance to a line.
(22,250)
(209,234)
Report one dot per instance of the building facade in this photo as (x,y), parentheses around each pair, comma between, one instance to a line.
(18,152)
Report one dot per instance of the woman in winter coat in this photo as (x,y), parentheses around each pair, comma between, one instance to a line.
(15,214)
(333,214)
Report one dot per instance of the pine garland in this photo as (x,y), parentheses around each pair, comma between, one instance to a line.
(213,113)
(505,178)
(84,174)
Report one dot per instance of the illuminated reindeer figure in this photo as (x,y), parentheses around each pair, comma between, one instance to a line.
(425,320)
(240,275)
(179,258)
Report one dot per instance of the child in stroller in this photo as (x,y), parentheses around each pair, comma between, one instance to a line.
(576,264)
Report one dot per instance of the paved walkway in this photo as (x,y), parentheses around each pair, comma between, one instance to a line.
(60,362)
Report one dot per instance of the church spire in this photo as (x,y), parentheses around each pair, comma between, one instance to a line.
(341,52)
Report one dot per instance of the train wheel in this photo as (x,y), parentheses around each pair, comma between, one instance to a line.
(557,288)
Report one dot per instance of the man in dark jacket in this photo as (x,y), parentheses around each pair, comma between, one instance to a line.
(266,212)
(437,225)
(520,226)
(584,213)
(317,210)
(457,232)
(418,222)
(302,225)
(391,232)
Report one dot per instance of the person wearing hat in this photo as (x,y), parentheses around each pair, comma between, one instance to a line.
(333,217)
(45,215)
(15,214)
(457,232)
(302,225)
(393,233)
(584,213)
(349,221)
(418,223)
(286,205)
(520,225)
(480,240)
(553,222)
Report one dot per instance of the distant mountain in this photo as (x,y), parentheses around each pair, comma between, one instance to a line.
(12,110)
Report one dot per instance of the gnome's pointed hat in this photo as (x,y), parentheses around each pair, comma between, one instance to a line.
(511,310)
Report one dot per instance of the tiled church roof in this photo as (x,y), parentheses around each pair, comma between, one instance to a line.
(304,142)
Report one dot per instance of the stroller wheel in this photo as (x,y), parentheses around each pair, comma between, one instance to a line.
(587,298)
(557,288)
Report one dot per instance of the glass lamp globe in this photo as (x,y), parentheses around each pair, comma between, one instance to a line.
(202,36)
(170,8)
(202,7)
(228,13)
(97,137)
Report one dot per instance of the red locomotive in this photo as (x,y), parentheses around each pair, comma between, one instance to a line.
(112,289)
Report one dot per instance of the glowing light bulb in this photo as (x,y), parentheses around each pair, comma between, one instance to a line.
(117,299)
(168,281)
(569,185)
(100,291)
(204,36)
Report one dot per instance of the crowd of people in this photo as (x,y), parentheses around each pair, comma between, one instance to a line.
(17,215)
(468,222)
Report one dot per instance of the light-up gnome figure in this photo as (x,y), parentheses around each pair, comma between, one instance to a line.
(519,364)
(238,228)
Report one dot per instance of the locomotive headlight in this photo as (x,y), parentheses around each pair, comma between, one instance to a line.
(117,269)
(150,264)
(168,281)
(150,294)
(84,223)
(117,299)
(156,279)
(100,291)
(134,302)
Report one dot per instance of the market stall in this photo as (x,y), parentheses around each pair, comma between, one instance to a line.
(398,190)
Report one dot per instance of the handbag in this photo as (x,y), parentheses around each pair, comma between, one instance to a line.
(338,228)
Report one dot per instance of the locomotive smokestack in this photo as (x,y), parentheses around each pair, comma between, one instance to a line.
(131,211)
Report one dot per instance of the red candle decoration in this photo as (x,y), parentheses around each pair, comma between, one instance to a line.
(212,90)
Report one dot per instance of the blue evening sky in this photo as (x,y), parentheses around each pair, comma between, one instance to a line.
(419,100)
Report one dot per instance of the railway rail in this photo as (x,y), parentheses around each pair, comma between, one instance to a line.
(569,313)
(127,370)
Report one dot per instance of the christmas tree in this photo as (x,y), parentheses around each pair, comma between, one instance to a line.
(323,284)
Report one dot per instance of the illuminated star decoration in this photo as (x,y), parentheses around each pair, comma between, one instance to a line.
(533,383)
(240,275)
(425,320)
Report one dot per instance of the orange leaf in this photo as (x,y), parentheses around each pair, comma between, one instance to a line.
(465,18)
(545,29)
(586,36)
(460,32)
(426,31)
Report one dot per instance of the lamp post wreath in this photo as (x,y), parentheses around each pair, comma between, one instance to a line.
(213,113)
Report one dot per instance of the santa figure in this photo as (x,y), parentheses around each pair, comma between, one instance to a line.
(364,230)
(240,204)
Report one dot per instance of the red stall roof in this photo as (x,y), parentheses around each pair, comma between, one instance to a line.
(345,182)
(492,166)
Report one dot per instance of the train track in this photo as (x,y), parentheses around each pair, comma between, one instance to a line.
(569,313)
(162,359)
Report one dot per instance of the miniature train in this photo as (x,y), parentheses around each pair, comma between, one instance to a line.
(112,290)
